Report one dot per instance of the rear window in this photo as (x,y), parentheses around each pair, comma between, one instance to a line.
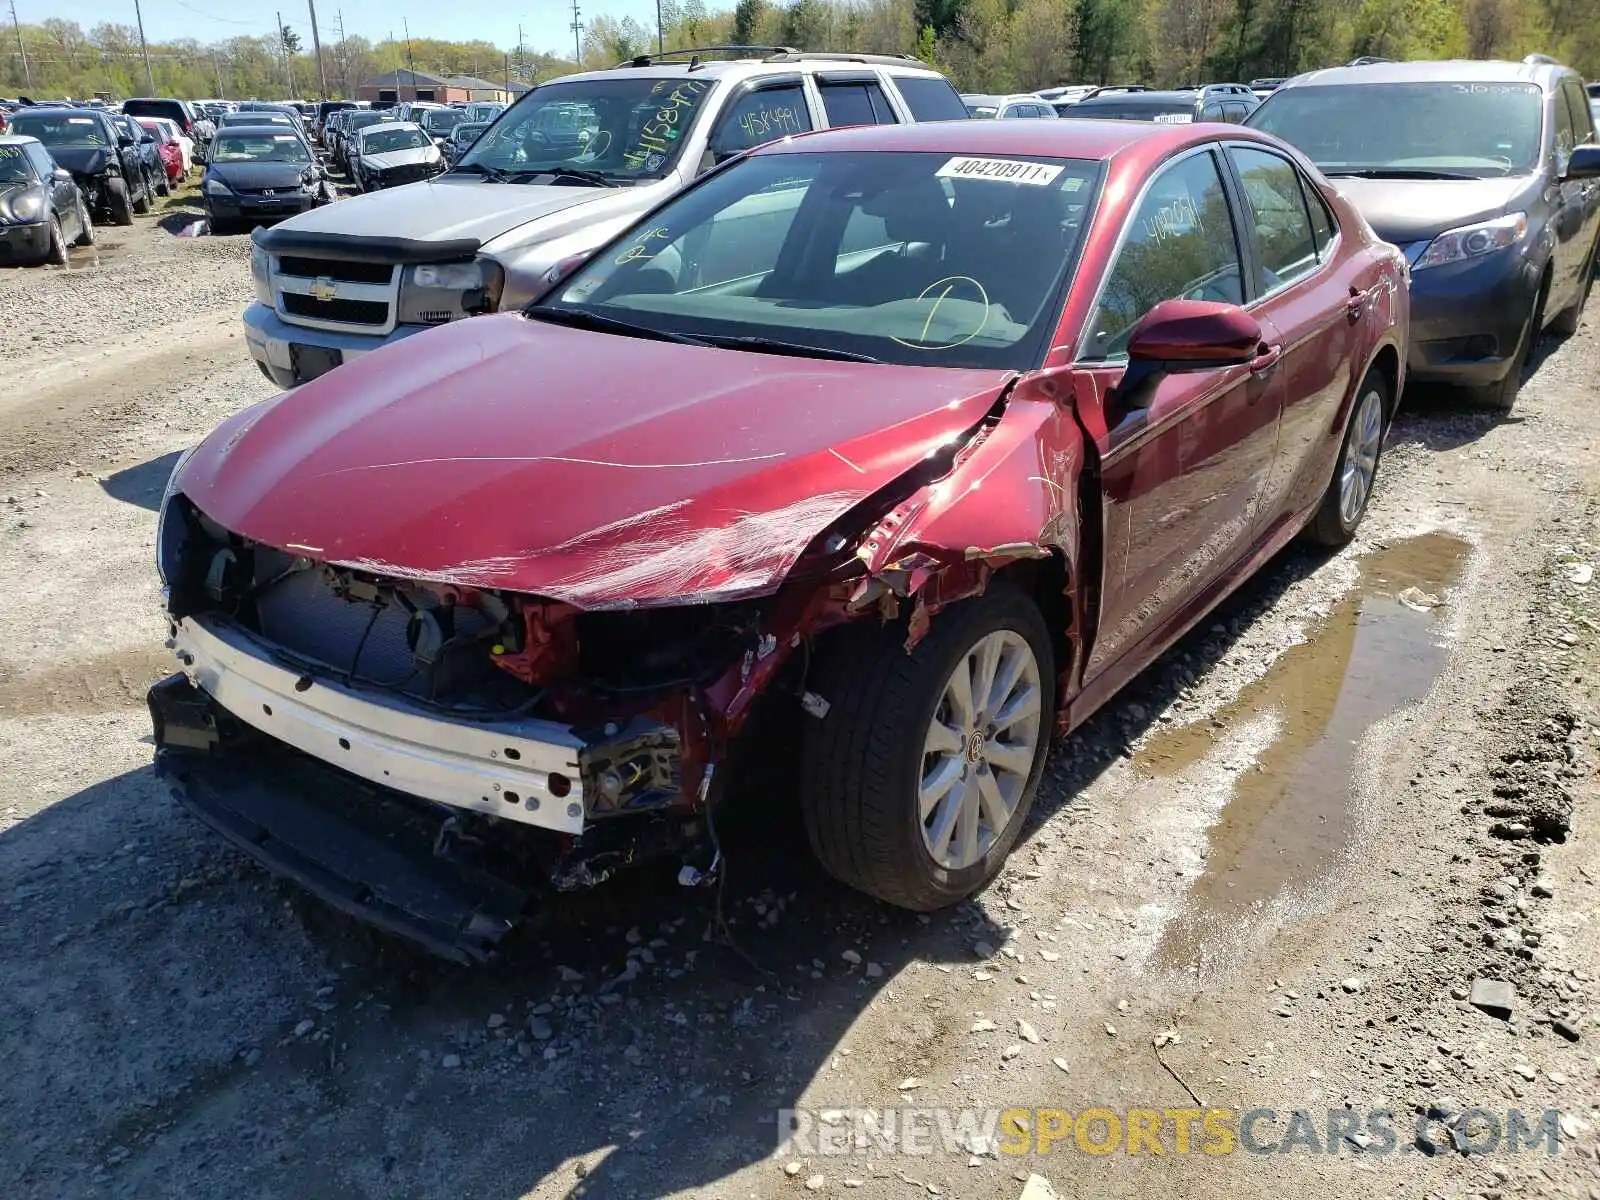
(1169,115)
(157,108)
(930,98)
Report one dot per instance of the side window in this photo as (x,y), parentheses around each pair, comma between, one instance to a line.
(931,98)
(1578,106)
(1322,225)
(42,162)
(854,102)
(1211,112)
(760,116)
(1565,132)
(1278,212)
(1234,113)
(1181,243)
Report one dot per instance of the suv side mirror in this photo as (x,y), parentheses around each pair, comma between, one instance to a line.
(124,140)
(1184,335)
(1583,163)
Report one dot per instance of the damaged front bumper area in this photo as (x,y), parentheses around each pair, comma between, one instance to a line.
(445,831)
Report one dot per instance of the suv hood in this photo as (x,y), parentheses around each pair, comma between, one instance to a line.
(1410,210)
(442,210)
(603,470)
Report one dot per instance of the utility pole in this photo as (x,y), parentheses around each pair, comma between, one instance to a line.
(283,49)
(27,71)
(577,35)
(217,63)
(411,63)
(659,45)
(508,77)
(344,60)
(144,49)
(316,48)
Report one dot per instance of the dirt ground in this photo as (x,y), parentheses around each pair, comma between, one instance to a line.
(1264,878)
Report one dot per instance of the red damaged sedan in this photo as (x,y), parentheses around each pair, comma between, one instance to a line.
(915,443)
(167,146)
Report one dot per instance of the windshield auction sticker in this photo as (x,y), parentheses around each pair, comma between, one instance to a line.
(1004,170)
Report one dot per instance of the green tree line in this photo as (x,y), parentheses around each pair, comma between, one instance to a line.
(983,45)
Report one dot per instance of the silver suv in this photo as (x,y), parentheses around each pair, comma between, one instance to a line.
(569,165)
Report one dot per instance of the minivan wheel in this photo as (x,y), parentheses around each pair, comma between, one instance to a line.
(1502,396)
(915,784)
(1350,490)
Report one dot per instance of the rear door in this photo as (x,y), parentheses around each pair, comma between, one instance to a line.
(1572,199)
(1182,478)
(1588,192)
(1313,298)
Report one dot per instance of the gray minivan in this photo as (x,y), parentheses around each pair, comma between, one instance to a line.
(1486,175)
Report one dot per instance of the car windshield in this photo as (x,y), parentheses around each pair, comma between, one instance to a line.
(1475,129)
(926,259)
(623,128)
(382,141)
(60,130)
(441,120)
(357,120)
(14,166)
(259,147)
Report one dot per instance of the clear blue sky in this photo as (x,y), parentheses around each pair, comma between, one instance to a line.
(544,22)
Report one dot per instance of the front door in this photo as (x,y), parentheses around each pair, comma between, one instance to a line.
(1182,476)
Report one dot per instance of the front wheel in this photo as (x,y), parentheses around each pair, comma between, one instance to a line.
(85,225)
(119,203)
(1350,489)
(916,783)
(163,184)
(141,203)
(1501,397)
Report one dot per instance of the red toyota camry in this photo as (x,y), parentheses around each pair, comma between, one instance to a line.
(918,441)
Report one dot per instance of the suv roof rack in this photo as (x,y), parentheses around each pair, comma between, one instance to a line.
(645,60)
(1535,60)
(1115,87)
(775,54)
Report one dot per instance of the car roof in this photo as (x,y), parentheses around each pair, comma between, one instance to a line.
(1443,71)
(16,139)
(1151,100)
(1056,139)
(267,129)
(383,126)
(60,110)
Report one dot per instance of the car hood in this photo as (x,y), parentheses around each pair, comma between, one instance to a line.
(450,208)
(602,470)
(258,174)
(1408,210)
(400,158)
(81,160)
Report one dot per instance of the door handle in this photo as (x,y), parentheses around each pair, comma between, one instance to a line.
(1266,359)
(1357,304)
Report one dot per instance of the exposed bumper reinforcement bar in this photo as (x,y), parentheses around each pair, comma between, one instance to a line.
(345,841)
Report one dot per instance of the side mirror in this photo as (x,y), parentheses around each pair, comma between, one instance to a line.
(62,175)
(1584,163)
(124,140)
(1184,335)
(148,138)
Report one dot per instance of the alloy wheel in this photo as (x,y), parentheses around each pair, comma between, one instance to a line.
(980,749)
(1361,457)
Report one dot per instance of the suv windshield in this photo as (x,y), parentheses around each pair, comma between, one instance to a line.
(924,259)
(1476,129)
(623,128)
(60,130)
(382,141)
(264,147)
(361,118)
(14,167)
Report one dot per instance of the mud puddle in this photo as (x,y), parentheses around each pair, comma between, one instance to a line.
(101,254)
(1291,816)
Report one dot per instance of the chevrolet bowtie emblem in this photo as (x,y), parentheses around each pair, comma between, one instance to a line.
(324,289)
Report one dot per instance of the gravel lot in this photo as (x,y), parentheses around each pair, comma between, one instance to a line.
(1264,877)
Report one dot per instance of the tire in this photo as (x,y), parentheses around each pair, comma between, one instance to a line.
(1501,397)
(121,207)
(1350,490)
(163,184)
(141,204)
(56,255)
(1566,322)
(866,762)
(86,224)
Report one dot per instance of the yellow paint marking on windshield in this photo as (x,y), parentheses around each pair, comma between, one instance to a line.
(928,324)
